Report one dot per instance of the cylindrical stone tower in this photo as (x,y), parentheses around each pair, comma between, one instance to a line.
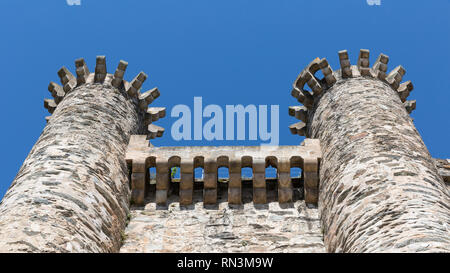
(72,192)
(379,188)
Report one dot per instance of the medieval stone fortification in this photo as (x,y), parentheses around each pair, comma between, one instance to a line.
(368,182)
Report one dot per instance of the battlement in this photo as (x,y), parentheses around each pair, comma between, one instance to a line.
(141,156)
(347,71)
(101,77)
(375,167)
(368,183)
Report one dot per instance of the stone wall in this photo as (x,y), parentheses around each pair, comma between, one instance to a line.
(380,190)
(271,227)
(72,192)
(443,166)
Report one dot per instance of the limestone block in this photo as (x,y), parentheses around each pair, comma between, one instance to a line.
(186,181)
(380,66)
(235,184)
(156,112)
(210,181)
(404,90)
(299,112)
(410,106)
(56,91)
(162,180)
(259,181)
(284,180)
(50,105)
(82,71)
(346,71)
(304,97)
(118,75)
(138,181)
(395,77)
(147,97)
(68,80)
(327,72)
(135,84)
(363,62)
(100,69)
(155,131)
(298,128)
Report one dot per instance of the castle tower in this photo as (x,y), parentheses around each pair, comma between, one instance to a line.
(72,192)
(379,188)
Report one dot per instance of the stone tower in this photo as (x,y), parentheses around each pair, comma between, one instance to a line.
(72,192)
(379,188)
(364,164)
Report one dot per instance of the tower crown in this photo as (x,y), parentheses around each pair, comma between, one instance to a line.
(347,71)
(131,90)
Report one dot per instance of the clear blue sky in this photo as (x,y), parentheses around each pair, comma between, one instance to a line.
(228,52)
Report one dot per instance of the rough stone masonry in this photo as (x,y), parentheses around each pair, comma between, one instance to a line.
(380,190)
(224,227)
(72,192)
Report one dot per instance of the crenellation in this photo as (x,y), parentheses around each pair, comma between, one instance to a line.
(82,71)
(148,97)
(100,69)
(57,92)
(162,180)
(155,131)
(311,178)
(327,71)
(68,80)
(395,77)
(367,183)
(156,112)
(299,112)
(135,85)
(259,180)
(285,187)
(346,71)
(404,90)
(235,183)
(364,62)
(303,96)
(117,80)
(410,105)
(306,77)
(380,67)
(186,180)
(374,167)
(298,128)
(234,158)
(80,157)
(138,180)
(210,181)
(50,105)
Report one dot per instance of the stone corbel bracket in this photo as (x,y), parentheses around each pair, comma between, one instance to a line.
(100,76)
(362,69)
(141,156)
